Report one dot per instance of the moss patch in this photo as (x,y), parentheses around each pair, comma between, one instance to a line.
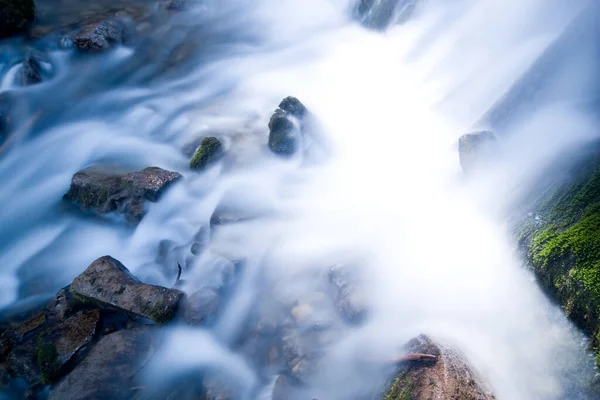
(402,388)
(47,358)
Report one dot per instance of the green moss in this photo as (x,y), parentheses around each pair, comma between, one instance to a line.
(47,358)
(78,297)
(402,388)
(210,151)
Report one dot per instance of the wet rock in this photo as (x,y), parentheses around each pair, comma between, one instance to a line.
(109,371)
(22,362)
(107,281)
(449,377)
(31,70)
(286,388)
(174,5)
(380,14)
(6,346)
(475,148)
(5,116)
(349,300)
(101,36)
(31,325)
(285,127)
(103,190)
(210,151)
(59,344)
(64,304)
(200,306)
(15,16)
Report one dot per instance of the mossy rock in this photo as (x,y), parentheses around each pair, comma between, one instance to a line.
(15,16)
(210,151)
(563,246)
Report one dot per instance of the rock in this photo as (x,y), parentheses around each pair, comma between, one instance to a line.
(210,151)
(109,371)
(200,306)
(64,304)
(31,325)
(103,191)
(31,71)
(474,148)
(380,14)
(286,388)
(108,282)
(15,16)
(22,362)
(101,36)
(5,116)
(58,345)
(349,300)
(286,127)
(174,5)
(448,377)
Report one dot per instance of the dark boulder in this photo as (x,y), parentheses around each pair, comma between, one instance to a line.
(105,191)
(108,282)
(380,14)
(110,370)
(286,127)
(210,151)
(5,115)
(475,148)
(64,304)
(446,375)
(101,36)
(199,307)
(15,16)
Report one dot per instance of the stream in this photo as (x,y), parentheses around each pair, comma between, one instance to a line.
(380,186)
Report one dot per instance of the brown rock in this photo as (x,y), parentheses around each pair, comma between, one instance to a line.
(449,376)
(58,345)
(107,281)
(101,36)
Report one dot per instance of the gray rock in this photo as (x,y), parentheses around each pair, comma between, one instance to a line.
(210,151)
(111,368)
(101,36)
(15,16)
(449,377)
(197,308)
(475,148)
(5,116)
(380,14)
(286,127)
(108,282)
(103,190)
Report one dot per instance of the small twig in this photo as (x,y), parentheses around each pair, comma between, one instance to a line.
(178,273)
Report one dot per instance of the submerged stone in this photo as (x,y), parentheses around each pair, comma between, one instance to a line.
(380,14)
(349,299)
(108,282)
(199,307)
(103,190)
(447,376)
(475,148)
(101,36)
(110,370)
(286,126)
(15,16)
(32,70)
(210,151)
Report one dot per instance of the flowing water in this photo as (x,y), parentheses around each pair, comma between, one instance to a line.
(381,187)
